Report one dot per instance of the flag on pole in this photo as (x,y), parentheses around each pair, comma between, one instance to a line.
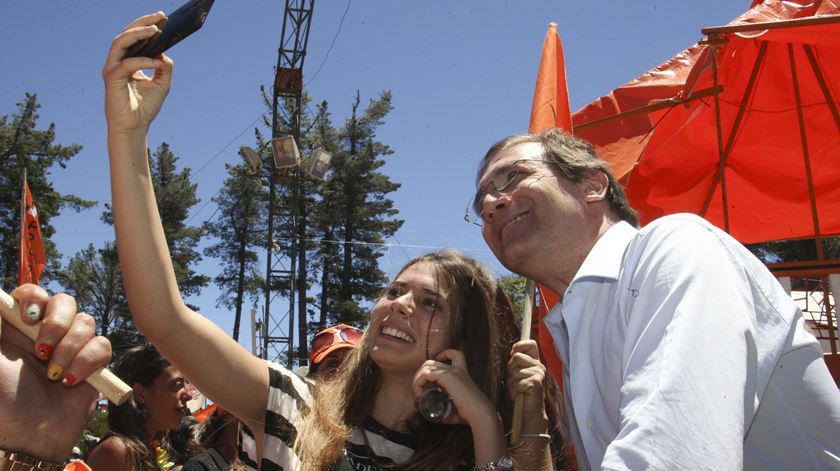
(32,259)
(550,110)
(551,96)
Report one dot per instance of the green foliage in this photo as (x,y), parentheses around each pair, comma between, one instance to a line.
(94,278)
(514,286)
(345,219)
(24,146)
(354,215)
(175,195)
(95,429)
(795,250)
(240,231)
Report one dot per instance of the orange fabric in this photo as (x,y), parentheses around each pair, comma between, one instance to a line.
(669,158)
(203,414)
(77,465)
(550,110)
(551,96)
(550,358)
(31,259)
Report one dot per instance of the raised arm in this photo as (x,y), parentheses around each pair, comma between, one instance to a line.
(217,365)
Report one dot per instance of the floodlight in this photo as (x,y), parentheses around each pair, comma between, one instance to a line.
(252,159)
(318,162)
(285,152)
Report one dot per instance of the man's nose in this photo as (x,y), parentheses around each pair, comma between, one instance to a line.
(494,201)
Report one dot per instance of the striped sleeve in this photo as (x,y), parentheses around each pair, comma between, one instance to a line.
(289,399)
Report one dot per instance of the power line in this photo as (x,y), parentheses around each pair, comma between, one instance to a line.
(327,55)
(209,200)
(228,145)
(381,244)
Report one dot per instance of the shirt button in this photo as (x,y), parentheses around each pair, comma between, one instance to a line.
(588,423)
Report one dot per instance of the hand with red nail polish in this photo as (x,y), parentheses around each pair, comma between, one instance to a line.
(42,388)
(44,351)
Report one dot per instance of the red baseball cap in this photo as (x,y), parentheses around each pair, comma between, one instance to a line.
(331,339)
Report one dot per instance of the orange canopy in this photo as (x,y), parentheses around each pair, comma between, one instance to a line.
(742,128)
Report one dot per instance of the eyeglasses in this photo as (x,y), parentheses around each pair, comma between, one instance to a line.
(502,182)
(338,334)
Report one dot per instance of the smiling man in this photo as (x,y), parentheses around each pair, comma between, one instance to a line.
(681,350)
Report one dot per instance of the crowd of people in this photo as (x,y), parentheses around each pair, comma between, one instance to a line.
(680,349)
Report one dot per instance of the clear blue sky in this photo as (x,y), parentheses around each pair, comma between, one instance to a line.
(461,72)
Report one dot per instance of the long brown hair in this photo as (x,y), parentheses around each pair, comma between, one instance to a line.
(482,327)
(142,365)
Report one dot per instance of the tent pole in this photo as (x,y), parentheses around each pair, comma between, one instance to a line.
(832,279)
(647,109)
(768,25)
(805,153)
(723,152)
(809,51)
(721,161)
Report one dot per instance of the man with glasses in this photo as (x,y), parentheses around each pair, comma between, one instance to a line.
(680,349)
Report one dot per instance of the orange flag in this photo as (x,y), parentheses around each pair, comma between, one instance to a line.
(550,110)
(32,258)
(551,97)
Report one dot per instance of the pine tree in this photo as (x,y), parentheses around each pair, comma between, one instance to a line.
(339,225)
(24,146)
(240,230)
(93,277)
(356,214)
(175,195)
(325,254)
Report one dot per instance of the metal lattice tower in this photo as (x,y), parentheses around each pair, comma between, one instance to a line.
(279,321)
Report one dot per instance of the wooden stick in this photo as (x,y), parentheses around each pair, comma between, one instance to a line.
(524,334)
(112,387)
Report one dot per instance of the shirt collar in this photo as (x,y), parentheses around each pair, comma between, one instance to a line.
(604,260)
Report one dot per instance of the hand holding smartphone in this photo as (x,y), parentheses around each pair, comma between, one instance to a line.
(178,25)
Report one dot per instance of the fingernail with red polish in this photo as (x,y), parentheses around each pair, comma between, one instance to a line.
(44,351)
(68,379)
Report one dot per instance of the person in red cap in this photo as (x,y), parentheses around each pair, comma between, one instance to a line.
(329,348)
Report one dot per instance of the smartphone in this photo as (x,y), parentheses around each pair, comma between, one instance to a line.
(178,25)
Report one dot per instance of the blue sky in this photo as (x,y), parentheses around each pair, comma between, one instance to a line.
(461,72)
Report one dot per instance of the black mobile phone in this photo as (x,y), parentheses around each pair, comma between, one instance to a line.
(178,25)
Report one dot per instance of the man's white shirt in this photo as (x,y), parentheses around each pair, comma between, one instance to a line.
(684,352)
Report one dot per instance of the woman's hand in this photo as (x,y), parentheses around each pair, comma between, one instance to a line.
(449,371)
(132,99)
(44,402)
(471,406)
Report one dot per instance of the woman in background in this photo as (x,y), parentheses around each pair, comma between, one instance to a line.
(136,427)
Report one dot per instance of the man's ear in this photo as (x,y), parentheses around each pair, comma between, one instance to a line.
(595,185)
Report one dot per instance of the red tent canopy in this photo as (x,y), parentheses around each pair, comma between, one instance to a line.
(742,128)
